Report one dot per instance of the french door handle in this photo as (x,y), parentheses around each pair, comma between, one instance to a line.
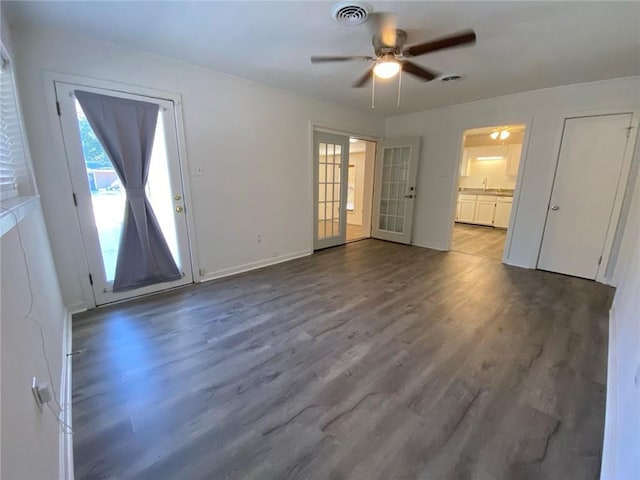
(411,195)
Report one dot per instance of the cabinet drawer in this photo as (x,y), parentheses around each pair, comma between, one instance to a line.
(465,197)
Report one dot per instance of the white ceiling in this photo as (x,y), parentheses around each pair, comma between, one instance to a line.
(521,45)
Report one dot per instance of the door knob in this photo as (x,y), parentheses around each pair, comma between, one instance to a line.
(409,196)
(555,207)
(177,197)
(179,209)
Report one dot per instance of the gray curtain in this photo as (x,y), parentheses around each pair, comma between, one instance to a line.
(126,129)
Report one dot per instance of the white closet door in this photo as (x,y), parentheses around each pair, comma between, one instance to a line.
(395,189)
(589,179)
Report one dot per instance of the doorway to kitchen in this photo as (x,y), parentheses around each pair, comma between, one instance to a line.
(488,172)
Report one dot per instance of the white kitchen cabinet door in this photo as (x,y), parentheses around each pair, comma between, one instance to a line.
(513,160)
(503,212)
(466,208)
(485,210)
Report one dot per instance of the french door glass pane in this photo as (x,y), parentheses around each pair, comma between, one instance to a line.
(395,174)
(329,202)
(108,197)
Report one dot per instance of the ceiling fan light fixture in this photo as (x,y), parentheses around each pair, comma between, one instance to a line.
(386,68)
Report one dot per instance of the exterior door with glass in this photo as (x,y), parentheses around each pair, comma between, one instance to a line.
(100,197)
(395,189)
(331,164)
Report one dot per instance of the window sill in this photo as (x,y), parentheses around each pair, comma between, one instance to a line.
(17,208)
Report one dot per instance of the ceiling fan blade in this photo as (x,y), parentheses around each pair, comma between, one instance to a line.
(384,26)
(463,38)
(326,58)
(364,79)
(423,73)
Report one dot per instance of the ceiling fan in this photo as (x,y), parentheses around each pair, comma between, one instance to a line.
(391,55)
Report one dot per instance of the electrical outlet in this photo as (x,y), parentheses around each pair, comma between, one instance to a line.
(41,392)
(259,238)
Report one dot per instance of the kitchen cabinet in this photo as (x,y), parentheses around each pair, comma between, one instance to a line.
(503,212)
(485,210)
(466,210)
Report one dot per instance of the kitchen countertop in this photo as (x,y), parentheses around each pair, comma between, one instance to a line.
(491,191)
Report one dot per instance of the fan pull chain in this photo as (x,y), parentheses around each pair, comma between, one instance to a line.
(373,92)
(399,85)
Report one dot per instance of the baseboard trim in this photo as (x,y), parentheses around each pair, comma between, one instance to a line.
(227,272)
(431,247)
(66,438)
(77,308)
(609,447)
(518,264)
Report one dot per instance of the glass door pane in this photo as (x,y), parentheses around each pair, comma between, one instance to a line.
(395,176)
(107,195)
(329,203)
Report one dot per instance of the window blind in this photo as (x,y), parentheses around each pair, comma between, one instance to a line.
(13,161)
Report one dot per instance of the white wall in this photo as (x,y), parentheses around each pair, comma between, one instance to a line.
(358,161)
(621,455)
(493,170)
(29,439)
(543,112)
(252,140)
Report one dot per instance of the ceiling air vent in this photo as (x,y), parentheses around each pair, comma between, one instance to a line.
(351,13)
(451,78)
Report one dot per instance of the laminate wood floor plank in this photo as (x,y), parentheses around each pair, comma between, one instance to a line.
(478,240)
(372,360)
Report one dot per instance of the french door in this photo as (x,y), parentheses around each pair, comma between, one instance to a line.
(331,164)
(100,197)
(395,189)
